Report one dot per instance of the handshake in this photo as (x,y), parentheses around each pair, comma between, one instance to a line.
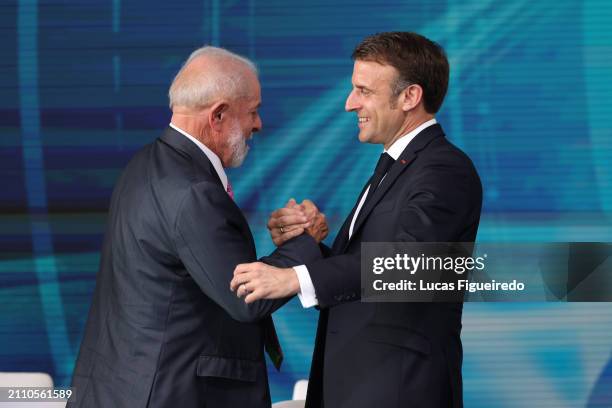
(294,219)
(257,280)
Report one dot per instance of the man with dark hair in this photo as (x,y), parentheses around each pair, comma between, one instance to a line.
(424,189)
(417,61)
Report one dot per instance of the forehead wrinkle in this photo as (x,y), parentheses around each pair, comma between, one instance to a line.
(373,75)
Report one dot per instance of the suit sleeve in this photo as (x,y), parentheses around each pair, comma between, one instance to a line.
(210,242)
(296,251)
(435,209)
(325,250)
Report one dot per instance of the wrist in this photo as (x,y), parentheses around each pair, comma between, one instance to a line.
(294,283)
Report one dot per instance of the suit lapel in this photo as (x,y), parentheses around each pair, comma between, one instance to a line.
(404,160)
(185,146)
(342,237)
(202,165)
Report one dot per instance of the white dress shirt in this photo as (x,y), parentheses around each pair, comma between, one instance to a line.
(307,293)
(214,159)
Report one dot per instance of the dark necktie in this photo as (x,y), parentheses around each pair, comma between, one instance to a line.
(271,343)
(385,161)
(382,167)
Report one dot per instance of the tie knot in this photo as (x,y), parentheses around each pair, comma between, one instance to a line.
(384,163)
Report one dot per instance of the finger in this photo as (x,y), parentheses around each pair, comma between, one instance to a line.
(287,220)
(255,295)
(320,219)
(292,234)
(238,280)
(309,205)
(297,210)
(241,278)
(246,288)
(240,291)
(282,238)
(291,203)
(311,215)
(246,267)
(271,223)
(273,220)
(289,228)
(290,220)
(235,284)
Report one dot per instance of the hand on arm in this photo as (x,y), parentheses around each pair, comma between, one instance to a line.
(210,254)
(257,280)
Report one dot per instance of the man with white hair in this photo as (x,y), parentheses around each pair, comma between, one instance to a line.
(164,328)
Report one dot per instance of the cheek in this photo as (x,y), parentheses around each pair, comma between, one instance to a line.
(247,124)
(373,110)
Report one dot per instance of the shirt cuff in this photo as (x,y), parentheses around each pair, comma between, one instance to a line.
(307,294)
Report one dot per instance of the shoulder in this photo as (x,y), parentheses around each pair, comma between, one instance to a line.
(163,176)
(443,166)
(441,149)
(442,154)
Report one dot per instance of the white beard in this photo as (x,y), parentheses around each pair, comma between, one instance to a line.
(237,145)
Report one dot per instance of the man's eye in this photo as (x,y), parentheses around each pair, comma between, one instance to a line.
(364,91)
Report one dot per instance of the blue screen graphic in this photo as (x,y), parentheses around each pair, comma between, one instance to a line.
(84,86)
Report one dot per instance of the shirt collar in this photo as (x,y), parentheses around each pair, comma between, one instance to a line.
(214,159)
(400,144)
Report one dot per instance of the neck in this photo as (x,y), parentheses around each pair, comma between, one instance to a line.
(191,124)
(411,123)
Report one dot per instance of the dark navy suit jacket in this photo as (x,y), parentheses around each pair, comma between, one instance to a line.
(392,355)
(164,329)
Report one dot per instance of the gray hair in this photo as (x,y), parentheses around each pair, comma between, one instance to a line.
(217,82)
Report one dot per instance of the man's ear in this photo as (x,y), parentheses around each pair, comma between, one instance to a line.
(411,97)
(216,115)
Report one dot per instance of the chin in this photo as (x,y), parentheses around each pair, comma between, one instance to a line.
(364,138)
(238,158)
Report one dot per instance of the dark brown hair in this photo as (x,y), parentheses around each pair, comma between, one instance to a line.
(418,60)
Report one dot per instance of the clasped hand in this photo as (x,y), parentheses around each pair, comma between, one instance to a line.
(293,219)
(257,280)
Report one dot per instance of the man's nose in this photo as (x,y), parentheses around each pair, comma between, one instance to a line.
(258,124)
(351,103)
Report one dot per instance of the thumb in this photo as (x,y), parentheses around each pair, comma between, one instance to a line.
(291,203)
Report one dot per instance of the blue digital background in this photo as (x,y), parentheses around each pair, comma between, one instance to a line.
(84,85)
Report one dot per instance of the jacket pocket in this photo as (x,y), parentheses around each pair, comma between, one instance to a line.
(398,336)
(230,368)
